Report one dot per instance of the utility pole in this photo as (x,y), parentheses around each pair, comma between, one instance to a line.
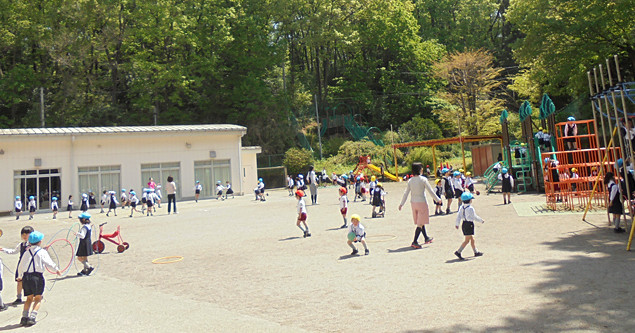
(42,107)
(317,116)
(154,114)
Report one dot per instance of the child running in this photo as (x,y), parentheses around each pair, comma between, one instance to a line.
(84,249)
(32,207)
(149,202)
(55,207)
(20,248)
(356,234)
(615,205)
(30,272)
(302,213)
(123,198)
(467,214)
(112,203)
(219,190)
(378,199)
(229,191)
(133,202)
(18,207)
(343,205)
(290,185)
(104,200)
(508,185)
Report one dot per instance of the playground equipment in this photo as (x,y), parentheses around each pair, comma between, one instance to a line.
(566,191)
(115,238)
(347,121)
(439,142)
(364,163)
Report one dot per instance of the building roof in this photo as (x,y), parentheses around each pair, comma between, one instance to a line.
(122,129)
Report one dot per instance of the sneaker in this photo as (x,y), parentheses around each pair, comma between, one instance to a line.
(343,226)
(504,202)
(23,321)
(447,211)
(30,321)
(18,301)
(428,240)
(305,234)
(107,214)
(366,252)
(458,255)
(619,230)
(478,254)
(130,215)
(354,252)
(90,270)
(308,234)
(4,307)
(54,217)
(415,245)
(17,217)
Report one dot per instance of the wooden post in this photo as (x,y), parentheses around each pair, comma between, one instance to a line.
(463,154)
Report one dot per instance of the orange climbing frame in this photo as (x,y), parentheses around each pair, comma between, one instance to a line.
(569,193)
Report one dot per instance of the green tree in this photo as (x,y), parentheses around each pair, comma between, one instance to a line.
(419,129)
(297,160)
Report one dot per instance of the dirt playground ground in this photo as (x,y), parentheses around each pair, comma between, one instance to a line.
(246,268)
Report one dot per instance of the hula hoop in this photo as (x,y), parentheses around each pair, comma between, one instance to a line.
(61,243)
(387,236)
(168,260)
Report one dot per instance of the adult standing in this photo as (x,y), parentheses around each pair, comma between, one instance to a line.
(312,178)
(418,185)
(170,189)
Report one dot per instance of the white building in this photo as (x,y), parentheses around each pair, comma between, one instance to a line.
(47,162)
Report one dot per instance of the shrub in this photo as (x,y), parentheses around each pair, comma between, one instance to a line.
(297,160)
(332,146)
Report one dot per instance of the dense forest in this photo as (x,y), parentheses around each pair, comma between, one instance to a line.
(266,64)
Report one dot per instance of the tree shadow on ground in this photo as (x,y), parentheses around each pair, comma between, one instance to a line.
(590,290)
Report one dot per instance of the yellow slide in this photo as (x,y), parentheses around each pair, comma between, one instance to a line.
(386,173)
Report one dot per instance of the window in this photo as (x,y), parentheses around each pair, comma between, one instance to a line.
(43,184)
(209,172)
(98,179)
(159,172)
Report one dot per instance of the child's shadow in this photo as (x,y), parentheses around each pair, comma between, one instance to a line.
(288,238)
(334,229)
(10,327)
(402,249)
(453,261)
(348,256)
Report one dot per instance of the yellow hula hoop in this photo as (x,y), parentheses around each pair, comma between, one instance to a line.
(389,238)
(174,259)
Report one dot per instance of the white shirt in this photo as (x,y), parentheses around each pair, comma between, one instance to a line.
(171,188)
(301,206)
(539,135)
(54,205)
(40,260)
(468,181)
(124,197)
(511,179)
(457,183)
(312,176)
(104,198)
(358,230)
(219,188)
(261,185)
(134,199)
(418,186)
(18,204)
(343,202)
(32,204)
(113,199)
(615,190)
(290,181)
(467,213)
(12,251)
(83,231)
(199,186)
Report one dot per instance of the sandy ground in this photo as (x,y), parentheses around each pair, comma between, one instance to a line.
(247,268)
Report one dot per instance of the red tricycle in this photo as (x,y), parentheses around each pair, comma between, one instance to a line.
(115,238)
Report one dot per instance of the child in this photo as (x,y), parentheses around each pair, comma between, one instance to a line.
(158,198)
(300,183)
(362,190)
(91,199)
(123,198)
(30,273)
(69,207)
(260,190)
(144,200)
(378,198)
(55,207)
(84,249)
(574,175)
(358,188)
(112,203)
(133,202)
(84,206)
(508,185)
(104,199)
(18,207)
(302,213)
(219,190)
(20,248)
(371,187)
(467,214)
(32,207)
(438,190)
(360,235)
(448,188)
(197,190)
(615,205)
(290,185)
(457,182)
(343,205)
(149,201)
(155,199)
(229,191)
(469,182)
